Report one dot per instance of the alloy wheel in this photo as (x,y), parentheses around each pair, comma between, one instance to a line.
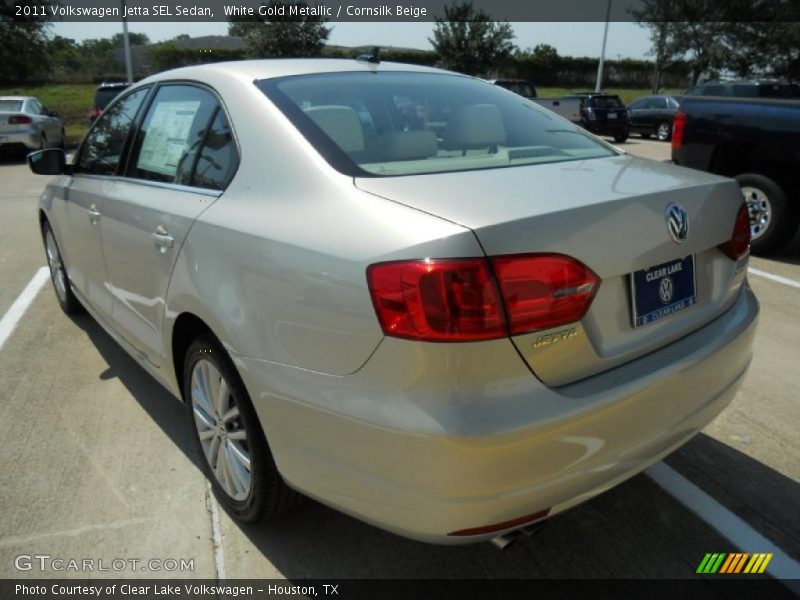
(663,132)
(760,209)
(221,431)
(57,272)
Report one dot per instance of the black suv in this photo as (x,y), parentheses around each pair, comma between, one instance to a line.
(604,114)
(105,93)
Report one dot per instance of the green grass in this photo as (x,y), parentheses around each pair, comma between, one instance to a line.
(72,101)
(626,95)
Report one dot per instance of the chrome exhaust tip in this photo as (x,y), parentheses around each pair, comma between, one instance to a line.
(509,538)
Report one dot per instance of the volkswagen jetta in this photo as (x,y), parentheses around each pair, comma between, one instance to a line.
(410,294)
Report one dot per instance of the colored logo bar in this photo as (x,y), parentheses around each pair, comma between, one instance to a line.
(734,563)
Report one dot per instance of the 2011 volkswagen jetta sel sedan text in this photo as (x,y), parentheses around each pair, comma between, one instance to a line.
(410,294)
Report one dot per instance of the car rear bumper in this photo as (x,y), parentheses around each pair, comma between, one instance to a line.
(429,439)
(27,138)
(607,127)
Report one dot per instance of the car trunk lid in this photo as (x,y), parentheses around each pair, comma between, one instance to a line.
(608,213)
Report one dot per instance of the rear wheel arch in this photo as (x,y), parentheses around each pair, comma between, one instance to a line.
(186,329)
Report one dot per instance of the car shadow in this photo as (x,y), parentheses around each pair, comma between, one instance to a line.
(635,530)
(168,413)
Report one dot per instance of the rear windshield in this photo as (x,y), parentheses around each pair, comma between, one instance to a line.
(606,102)
(10,105)
(390,123)
(106,95)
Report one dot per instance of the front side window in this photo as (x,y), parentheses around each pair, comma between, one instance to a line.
(102,149)
(394,123)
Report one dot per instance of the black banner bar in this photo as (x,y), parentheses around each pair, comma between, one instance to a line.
(378,10)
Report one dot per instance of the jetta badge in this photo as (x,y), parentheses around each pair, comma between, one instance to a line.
(677,223)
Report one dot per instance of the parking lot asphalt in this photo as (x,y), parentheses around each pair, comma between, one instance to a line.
(98,461)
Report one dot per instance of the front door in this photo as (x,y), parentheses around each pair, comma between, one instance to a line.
(85,196)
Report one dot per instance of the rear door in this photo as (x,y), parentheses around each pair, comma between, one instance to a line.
(183,156)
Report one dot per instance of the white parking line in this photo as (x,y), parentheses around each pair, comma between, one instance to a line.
(728,524)
(216,532)
(771,276)
(17,309)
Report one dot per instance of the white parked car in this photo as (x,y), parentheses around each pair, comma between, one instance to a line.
(25,125)
(413,295)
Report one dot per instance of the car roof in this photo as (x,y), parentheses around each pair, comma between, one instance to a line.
(23,98)
(113,85)
(282,67)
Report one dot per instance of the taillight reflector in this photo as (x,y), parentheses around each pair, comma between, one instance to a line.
(739,244)
(456,300)
(678,129)
(518,522)
(23,120)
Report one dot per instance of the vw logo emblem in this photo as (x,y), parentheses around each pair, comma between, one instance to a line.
(665,290)
(677,223)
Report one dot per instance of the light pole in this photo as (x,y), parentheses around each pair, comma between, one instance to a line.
(126,45)
(599,85)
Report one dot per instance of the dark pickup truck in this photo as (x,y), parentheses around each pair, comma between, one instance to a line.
(757,141)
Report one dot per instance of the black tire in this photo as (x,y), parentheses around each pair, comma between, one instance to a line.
(782,220)
(620,137)
(268,495)
(664,131)
(66,299)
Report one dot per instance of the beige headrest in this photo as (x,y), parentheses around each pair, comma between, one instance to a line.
(403,145)
(341,124)
(474,126)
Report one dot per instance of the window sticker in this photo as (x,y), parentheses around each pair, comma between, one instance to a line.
(167,137)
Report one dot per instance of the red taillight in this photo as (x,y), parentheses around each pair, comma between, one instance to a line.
(437,300)
(458,300)
(19,120)
(94,112)
(678,129)
(739,244)
(544,290)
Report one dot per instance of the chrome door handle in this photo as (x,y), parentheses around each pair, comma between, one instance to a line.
(162,239)
(93,213)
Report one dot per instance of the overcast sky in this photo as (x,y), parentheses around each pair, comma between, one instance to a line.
(626,40)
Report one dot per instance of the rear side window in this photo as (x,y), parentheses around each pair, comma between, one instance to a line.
(184,139)
(101,151)
(218,158)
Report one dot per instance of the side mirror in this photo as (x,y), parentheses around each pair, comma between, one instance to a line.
(52,161)
(52,113)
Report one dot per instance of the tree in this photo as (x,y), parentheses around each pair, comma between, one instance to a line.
(468,41)
(23,41)
(291,30)
(742,37)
